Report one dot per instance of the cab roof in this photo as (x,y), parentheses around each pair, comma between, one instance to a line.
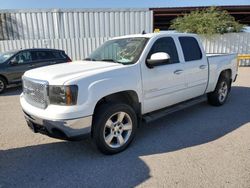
(152,35)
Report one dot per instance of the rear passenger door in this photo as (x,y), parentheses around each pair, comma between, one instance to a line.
(42,58)
(195,66)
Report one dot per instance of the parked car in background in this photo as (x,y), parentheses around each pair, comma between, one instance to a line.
(13,64)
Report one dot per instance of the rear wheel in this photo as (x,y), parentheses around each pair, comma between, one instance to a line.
(2,85)
(219,96)
(114,127)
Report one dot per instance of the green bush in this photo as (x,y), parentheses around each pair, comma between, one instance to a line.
(207,21)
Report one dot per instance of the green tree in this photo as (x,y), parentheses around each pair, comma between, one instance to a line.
(207,21)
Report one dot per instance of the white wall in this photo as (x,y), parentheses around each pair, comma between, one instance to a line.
(229,43)
(79,48)
(73,23)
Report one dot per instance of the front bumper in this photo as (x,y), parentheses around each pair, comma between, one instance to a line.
(63,129)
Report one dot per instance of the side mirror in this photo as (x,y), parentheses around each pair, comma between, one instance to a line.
(159,58)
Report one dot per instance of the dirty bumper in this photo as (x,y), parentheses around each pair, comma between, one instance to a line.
(63,129)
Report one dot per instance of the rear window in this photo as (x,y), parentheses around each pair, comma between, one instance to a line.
(58,55)
(190,48)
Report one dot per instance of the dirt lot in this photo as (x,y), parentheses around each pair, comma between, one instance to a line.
(202,146)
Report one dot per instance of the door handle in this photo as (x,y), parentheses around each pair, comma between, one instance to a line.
(178,72)
(203,66)
(30,66)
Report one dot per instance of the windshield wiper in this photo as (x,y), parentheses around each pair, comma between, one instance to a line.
(89,59)
(111,60)
(108,60)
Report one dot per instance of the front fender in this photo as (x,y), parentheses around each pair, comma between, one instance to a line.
(95,87)
(101,88)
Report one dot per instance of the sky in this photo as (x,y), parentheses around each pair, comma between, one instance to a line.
(29,4)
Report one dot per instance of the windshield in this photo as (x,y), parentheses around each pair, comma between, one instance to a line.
(6,55)
(125,51)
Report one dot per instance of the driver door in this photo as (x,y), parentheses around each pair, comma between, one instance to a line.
(163,85)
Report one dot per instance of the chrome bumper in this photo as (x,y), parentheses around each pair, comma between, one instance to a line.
(64,129)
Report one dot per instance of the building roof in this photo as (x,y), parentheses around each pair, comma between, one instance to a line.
(163,16)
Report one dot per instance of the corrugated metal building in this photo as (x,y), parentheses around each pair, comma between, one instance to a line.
(73,23)
(80,31)
(77,31)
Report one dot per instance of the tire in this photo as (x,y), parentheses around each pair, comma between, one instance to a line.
(110,134)
(219,96)
(3,84)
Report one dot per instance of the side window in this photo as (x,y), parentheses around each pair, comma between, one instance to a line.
(166,45)
(57,55)
(190,48)
(42,55)
(23,57)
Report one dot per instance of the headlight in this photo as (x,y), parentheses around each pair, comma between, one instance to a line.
(63,95)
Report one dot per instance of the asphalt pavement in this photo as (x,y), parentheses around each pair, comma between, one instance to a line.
(202,146)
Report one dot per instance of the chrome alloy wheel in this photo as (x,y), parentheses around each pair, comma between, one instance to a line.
(223,91)
(1,85)
(117,129)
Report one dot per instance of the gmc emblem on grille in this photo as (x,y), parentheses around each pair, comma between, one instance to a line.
(28,91)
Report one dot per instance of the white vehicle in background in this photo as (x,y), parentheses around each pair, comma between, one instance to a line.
(124,81)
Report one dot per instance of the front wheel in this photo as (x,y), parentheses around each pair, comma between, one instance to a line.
(2,85)
(219,96)
(114,127)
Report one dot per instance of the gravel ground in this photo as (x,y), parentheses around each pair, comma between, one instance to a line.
(202,146)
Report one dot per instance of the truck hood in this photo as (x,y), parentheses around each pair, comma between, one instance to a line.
(61,73)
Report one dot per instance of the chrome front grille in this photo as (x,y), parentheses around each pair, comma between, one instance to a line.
(35,92)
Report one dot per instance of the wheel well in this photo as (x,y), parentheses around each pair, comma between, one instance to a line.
(227,73)
(128,97)
(4,78)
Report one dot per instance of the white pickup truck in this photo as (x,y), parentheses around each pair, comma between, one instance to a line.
(126,80)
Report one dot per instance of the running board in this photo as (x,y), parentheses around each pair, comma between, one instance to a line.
(165,111)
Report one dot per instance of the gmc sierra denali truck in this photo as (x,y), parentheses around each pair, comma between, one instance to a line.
(123,82)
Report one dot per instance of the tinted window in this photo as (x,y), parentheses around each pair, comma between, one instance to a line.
(22,57)
(190,48)
(58,55)
(166,45)
(42,55)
